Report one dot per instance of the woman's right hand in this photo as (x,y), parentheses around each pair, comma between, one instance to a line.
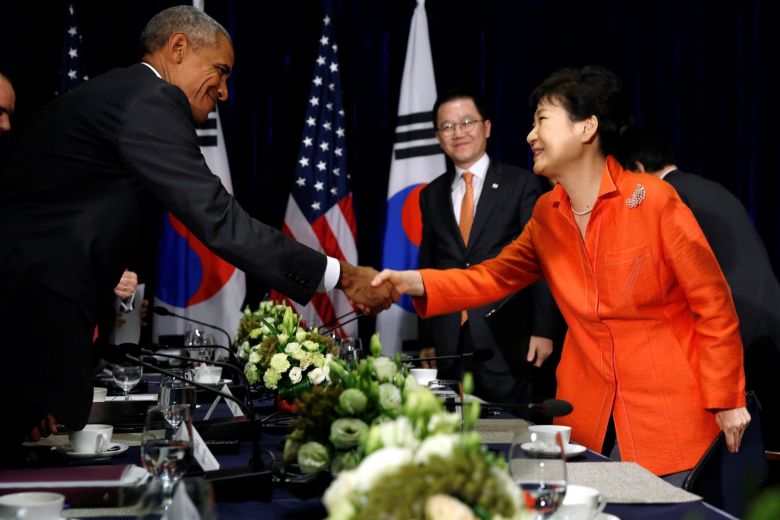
(405,282)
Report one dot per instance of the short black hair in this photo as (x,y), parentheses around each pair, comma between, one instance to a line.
(647,146)
(589,91)
(459,93)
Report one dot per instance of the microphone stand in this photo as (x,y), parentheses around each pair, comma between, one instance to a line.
(256,462)
(328,331)
(237,370)
(437,358)
(162,311)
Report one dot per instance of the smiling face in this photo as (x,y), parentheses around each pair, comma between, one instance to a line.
(202,74)
(464,147)
(556,141)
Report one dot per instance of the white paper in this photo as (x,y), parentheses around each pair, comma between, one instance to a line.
(202,453)
(128,325)
(237,412)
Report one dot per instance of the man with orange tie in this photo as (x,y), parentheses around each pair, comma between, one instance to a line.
(469,214)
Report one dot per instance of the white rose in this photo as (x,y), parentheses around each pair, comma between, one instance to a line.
(292,347)
(382,462)
(436,445)
(300,336)
(316,376)
(295,375)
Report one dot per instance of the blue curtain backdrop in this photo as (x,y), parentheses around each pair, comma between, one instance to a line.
(699,70)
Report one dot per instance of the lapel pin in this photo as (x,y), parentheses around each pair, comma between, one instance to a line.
(495,186)
(637,198)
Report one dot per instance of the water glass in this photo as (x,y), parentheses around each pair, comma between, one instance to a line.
(175,391)
(166,448)
(351,351)
(126,376)
(542,482)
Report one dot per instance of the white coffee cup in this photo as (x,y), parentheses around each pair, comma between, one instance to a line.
(208,375)
(99,394)
(94,438)
(31,505)
(423,376)
(543,435)
(580,503)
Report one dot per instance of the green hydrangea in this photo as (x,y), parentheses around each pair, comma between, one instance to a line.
(251,373)
(280,363)
(271,379)
(255,333)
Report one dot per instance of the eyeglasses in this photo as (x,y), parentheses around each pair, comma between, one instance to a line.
(467,125)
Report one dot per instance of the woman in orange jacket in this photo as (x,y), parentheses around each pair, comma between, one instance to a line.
(653,341)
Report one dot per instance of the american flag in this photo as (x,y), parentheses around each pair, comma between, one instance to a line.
(71,74)
(319,210)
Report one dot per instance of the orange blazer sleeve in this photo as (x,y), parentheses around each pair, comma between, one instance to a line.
(717,352)
(453,290)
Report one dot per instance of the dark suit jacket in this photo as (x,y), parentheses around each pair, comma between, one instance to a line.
(73,197)
(505,205)
(740,253)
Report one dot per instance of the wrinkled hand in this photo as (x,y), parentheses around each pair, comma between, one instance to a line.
(45,428)
(356,282)
(126,286)
(539,348)
(733,424)
(428,352)
(405,282)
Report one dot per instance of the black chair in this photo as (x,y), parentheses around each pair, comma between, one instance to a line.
(730,481)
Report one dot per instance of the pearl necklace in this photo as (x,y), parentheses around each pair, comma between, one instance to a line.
(582,213)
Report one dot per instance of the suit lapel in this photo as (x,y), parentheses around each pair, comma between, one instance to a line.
(443,200)
(488,201)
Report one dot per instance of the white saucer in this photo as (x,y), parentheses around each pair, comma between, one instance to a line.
(114,449)
(607,516)
(572,450)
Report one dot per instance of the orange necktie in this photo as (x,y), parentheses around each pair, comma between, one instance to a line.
(467,208)
(466,220)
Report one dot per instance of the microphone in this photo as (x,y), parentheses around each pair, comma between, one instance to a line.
(480,355)
(550,407)
(163,311)
(328,331)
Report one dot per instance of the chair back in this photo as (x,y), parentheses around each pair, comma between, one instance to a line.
(730,481)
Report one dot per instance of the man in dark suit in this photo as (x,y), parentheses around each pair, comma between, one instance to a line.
(73,198)
(743,259)
(469,214)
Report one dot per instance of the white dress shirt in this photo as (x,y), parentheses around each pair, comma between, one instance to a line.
(479,169)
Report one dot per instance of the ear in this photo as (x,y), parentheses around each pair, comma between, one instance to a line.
(487,128)
(640,168)
(178,46)
(590,127)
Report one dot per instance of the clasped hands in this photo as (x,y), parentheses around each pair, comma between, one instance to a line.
(356,282)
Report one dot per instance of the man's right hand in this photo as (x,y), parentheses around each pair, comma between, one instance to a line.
(355,281)
(427,352)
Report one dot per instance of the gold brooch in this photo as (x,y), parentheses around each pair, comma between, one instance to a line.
(636,199)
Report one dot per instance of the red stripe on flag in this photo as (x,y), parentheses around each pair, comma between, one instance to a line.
(349,213)
(329,241)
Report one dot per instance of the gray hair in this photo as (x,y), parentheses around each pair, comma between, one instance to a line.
(201,29)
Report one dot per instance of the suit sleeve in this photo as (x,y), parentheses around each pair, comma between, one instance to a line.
(718,348)
(545,318)
(426,259)
(157,142)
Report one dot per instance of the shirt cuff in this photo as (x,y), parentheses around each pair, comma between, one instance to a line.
(331,276)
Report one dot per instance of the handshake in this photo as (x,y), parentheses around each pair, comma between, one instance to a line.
(355,281)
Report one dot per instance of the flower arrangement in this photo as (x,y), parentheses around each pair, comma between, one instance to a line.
(394,449)
(252,328)
(287,358)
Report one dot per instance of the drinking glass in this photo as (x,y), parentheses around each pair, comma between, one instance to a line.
(194,340)
(175,391)
(351,350)
(126,376)
(542,481)
(166,450)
